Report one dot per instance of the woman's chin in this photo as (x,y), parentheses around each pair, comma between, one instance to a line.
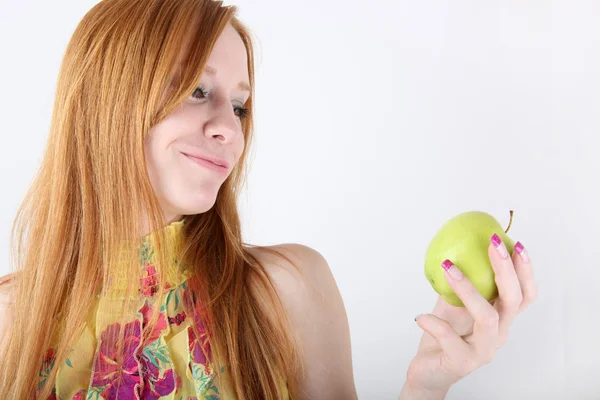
(197,205)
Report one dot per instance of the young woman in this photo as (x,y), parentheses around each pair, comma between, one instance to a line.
(132,278)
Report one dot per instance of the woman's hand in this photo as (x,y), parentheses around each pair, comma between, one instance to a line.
(458,340)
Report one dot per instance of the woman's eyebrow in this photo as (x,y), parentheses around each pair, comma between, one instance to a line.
(242,85)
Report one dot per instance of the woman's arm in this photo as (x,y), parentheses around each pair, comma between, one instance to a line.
(318,316)
(410,393)
(6,300)
(7,283)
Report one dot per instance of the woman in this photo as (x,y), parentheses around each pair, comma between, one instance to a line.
(133,280)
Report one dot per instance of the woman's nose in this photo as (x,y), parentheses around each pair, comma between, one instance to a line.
(223,124)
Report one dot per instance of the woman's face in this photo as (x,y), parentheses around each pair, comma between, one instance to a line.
(207,125)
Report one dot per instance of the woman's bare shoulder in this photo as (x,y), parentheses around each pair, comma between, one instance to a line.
(318,316)
(7,288)
(7,284)
(293,265)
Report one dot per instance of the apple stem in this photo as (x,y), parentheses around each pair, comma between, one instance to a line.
(509,222)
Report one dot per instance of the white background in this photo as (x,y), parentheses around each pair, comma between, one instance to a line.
(377,121)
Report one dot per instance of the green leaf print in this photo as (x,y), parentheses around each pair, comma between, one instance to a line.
(157,351)
(161,357)
(45,372)
(201,379)
(212,387)
(94,393)
(146,252)
(69,363)
(154,361)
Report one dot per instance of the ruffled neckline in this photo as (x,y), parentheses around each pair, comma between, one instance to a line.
(176,271)
(170,363)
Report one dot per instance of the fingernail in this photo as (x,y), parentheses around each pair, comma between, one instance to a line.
(519,248)
(452,270)
(417,317)
(497,242)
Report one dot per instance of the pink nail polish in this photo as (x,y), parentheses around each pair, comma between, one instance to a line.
(499,245)
(519,248)
(452,270)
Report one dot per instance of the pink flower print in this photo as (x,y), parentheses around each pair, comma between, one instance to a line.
(154,386)
(49,359)
(149,280)
(199,347)
(81,395)
(118,373)
(46,369)
(53,395)
(191,303)
(178,319)
(161,323)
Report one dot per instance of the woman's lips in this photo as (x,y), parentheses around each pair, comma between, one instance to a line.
(208,164)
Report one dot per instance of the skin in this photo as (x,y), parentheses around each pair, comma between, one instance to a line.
(456,341)
(203,124)
(319,317)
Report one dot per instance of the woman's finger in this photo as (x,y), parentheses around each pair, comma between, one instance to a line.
(509,289)
(451,343)
(524,271)
(485,316)
(458,317)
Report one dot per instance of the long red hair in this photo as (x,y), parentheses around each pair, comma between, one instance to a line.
(128,65)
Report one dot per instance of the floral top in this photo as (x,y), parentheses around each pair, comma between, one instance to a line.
(171,364)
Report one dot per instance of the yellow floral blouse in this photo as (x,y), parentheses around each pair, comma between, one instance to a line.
(171,364)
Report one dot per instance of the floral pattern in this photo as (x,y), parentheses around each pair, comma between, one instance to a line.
(81,395)
(149,280)
(171,362)
(156,383)
(46,367)
(118,374)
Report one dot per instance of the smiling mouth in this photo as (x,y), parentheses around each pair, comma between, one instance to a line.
(207,164)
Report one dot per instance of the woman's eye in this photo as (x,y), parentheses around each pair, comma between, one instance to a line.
(240,112)
(200,93)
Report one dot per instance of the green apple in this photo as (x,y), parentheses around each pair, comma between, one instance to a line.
(464,240)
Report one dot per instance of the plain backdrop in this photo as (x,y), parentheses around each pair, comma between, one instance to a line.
(376,122)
